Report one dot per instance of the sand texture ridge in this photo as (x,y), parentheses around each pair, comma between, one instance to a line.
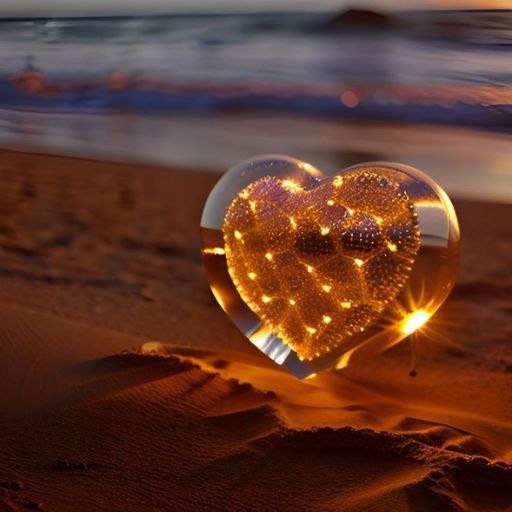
(125,387)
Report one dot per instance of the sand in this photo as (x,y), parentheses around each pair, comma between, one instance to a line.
(125,387)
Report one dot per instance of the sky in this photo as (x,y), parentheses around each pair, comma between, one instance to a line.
(48,8)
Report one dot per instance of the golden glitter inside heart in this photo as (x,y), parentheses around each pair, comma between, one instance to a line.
(320,264)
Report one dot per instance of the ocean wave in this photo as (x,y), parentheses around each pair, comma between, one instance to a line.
(469,106)
(440,67)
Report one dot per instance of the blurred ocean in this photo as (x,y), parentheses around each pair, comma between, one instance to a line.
(136,80)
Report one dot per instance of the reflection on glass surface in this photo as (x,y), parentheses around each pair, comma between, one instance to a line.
(320,271)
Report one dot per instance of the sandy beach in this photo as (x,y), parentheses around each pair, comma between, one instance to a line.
(126,388)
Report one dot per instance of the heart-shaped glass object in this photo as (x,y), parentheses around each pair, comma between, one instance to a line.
(318,271)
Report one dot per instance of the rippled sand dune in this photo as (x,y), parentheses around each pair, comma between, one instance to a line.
(124,387)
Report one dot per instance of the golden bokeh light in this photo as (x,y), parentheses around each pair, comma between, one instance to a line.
(350,99)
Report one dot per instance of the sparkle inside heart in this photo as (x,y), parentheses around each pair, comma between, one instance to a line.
(318,270)
(320,264)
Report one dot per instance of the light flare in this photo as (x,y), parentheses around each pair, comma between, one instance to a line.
(218,251)
(291,186)
(414,321)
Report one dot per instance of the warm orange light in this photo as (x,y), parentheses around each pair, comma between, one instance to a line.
(291,186)
(338,181)
(349,99)
(347,269)
(218,251)
(414,321)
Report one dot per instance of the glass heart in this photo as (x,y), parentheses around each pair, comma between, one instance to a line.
(318,271)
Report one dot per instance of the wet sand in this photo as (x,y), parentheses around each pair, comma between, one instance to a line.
(126,388)
(468,163)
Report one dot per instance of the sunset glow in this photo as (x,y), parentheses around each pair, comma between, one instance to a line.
(37,8)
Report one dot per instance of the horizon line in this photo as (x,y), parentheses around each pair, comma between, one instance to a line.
(232,12)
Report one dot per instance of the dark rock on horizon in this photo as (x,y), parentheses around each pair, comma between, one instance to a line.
(361,18)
